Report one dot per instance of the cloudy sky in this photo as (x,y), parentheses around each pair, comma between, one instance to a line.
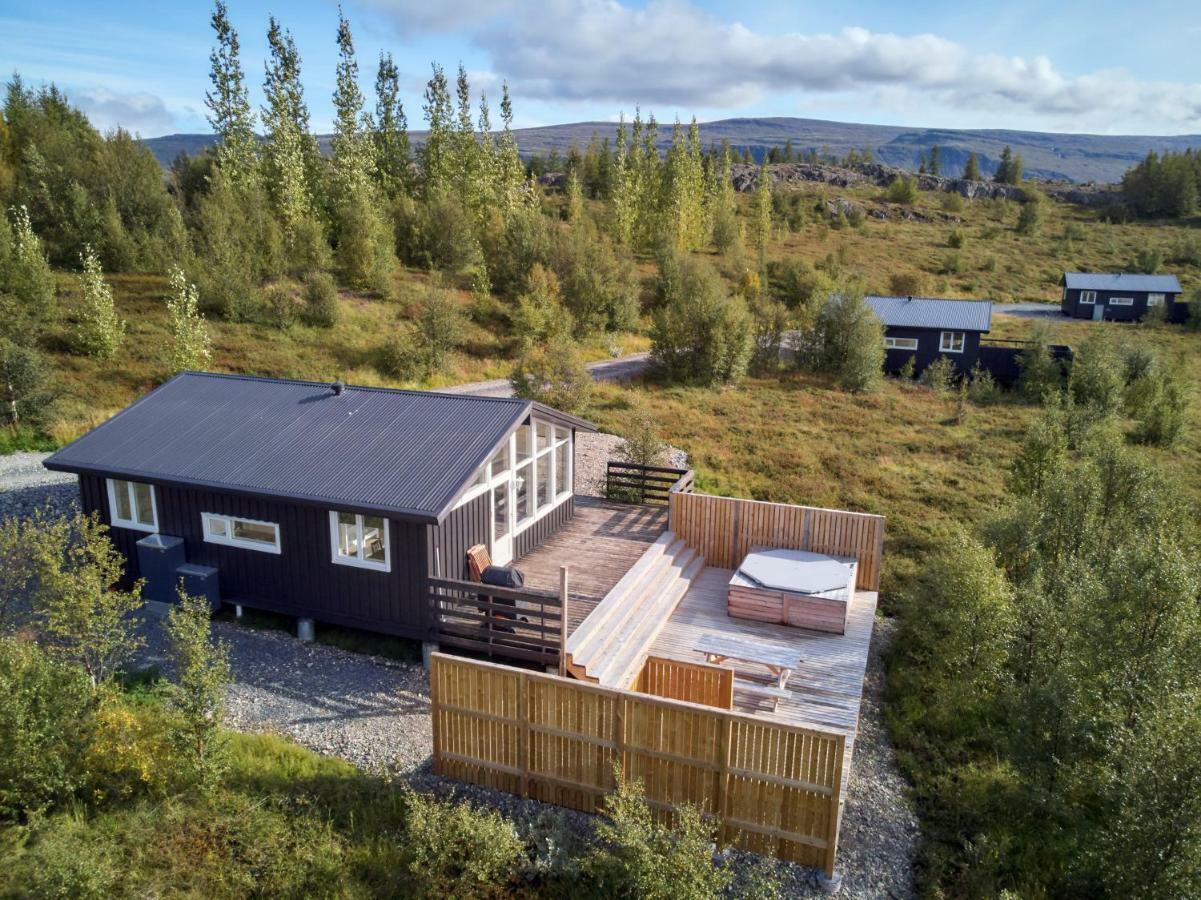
(1100,66)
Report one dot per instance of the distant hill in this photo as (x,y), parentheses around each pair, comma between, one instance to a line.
(1059,157)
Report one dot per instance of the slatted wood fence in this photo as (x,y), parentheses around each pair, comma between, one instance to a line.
(517,624)
(724,529)
(634,483)
(774,788)
(693,682)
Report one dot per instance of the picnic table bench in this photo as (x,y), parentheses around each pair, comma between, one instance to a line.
(780,661)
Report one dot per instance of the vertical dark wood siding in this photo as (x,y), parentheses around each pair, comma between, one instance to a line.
(928,340)
(301,580)
(462,528)
(1174,309)
(527,540)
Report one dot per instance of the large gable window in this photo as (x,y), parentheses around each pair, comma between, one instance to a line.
(361,541)
(131,504)
(248,534)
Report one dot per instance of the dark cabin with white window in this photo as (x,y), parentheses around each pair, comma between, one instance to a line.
(1121,297)
(923,329)
(322,501)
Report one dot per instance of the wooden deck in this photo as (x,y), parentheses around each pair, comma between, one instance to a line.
(826,689)
(599,545)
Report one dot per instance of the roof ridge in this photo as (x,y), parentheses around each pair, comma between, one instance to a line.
(415,392)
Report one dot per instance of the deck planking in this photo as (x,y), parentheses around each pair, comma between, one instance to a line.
(599,545)
(826,689)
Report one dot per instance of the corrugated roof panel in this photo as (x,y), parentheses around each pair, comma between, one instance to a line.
(1121,281)
(927,312)
(407,452)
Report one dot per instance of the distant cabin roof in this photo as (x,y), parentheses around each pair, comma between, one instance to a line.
(1121,281)
(408,454)
(927,312)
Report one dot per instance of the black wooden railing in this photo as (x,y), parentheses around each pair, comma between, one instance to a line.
(653,485)
(521,624)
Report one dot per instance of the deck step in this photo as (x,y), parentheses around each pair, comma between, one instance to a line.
(594,628)
(611,644)
(635,656)
(643,611)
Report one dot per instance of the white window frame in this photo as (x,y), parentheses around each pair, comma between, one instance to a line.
(116,519)
(1121,301)
(357,561)
(944,347)
(228,539)
(1155,300)
(900,343)
(1088,297)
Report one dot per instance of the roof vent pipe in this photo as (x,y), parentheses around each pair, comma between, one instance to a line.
(338,388)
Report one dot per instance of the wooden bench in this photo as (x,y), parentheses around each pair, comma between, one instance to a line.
(774,694)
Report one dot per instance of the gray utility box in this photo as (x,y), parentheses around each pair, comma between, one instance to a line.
(200,581)
(159,556)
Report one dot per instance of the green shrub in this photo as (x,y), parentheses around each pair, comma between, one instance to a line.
(440,324)
(1158,402)
(45,710)
(453,850)
(907,284)
(365,251)
(907,370)
(321,306)
(513,245)
(1148,260)
(952,202)
(597,285)
(437,233)
(952,264)
(1030,219)
(401,355)
(1097,377)
(903,189)
(641,443)
(554,373)
(700,334)
(847,341)
(1041,375)
(983,387)
(282,307)
(957,238)
(639,859)
(940,376)
(25,392)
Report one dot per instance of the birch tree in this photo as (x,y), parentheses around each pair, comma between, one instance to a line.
(230,114)
(190,341)
(391,132)
(100,329)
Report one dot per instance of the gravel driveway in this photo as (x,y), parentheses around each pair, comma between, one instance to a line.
(374,712)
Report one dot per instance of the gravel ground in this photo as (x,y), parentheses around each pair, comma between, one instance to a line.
(374,713)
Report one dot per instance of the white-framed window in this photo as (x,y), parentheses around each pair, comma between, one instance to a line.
(1155,299)
(1088,296)
(544,480)
(132,504)
(896,343)
(234,531)
(1121,301)
(359,540)
(952,341)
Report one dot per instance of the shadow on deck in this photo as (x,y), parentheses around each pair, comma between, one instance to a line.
(599,545)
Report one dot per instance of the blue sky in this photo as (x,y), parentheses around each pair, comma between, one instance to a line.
(1103,66)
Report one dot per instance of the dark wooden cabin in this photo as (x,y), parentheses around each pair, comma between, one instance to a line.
(1121,297)
(923,329)
(323,501)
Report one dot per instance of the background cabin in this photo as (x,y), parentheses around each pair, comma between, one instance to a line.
(924,329)
(322,501)
(1121,297)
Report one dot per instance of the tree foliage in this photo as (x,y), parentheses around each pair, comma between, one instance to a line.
(100,329)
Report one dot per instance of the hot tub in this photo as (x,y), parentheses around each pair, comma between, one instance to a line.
(793,587)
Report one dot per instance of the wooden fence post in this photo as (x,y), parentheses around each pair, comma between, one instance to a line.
(435,670)
(563,601)
(523,733)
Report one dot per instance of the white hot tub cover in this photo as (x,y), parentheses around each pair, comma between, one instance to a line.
(796,570)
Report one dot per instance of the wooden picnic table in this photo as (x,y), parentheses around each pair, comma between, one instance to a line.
(780,661)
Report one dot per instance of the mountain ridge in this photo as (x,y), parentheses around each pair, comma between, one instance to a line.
(1048,155)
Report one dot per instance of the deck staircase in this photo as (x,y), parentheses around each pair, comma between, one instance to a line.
(611,645)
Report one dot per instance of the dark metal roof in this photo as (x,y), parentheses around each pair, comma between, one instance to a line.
(1121,281)
(408,454)
(926,312)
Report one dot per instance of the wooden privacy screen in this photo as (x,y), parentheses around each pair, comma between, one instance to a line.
(774,788)
(693,682)
(723,529)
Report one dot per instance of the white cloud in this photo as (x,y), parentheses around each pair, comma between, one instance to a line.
(141,113)
(440,15)
(672,53)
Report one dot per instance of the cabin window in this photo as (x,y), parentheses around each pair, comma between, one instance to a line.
(896,343)
(132,504)
(233,531)
(360,540)
(562,467)
(1121,301)
(1155,300)
(1088,296)
(951,342)
(523,444)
